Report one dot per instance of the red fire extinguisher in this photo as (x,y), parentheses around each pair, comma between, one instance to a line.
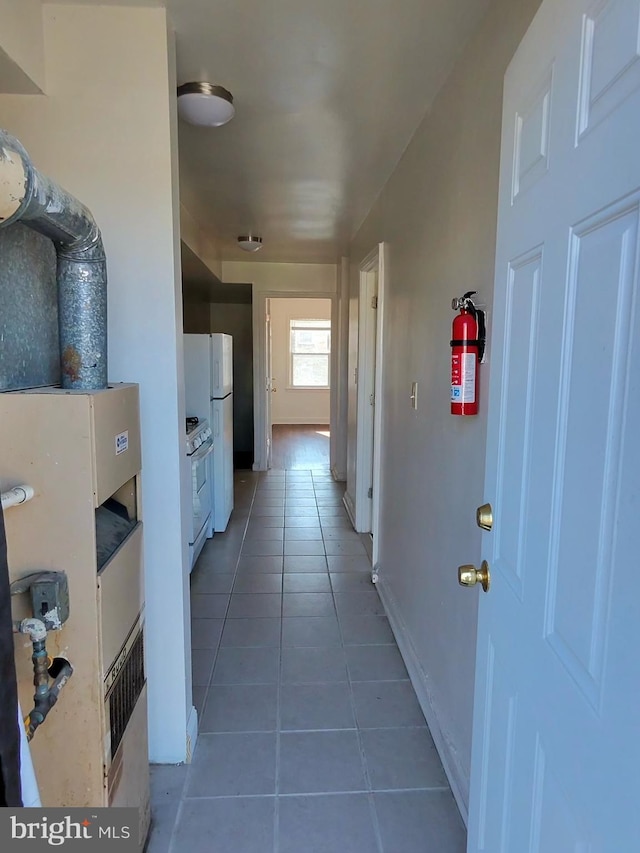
(467,349)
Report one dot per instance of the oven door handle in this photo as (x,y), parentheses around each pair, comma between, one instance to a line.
(202,452)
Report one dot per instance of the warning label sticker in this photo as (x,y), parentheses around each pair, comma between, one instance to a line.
(463,378)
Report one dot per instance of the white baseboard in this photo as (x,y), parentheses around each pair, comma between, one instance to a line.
(339,476)
(367,541)
(350,508)
(192,734)
(458,779)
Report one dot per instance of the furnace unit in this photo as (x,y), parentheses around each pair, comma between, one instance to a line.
(81,453)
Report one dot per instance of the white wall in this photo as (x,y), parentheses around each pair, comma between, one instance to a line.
(22,66)
(295,405)
(438,214)
(106,131)
(266,277)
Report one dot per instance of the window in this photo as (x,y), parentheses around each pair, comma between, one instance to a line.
(309,347)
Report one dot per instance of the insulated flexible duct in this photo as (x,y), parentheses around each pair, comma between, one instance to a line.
(29,197)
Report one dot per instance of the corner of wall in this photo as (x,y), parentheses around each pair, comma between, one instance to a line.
(22,56)
(200,243)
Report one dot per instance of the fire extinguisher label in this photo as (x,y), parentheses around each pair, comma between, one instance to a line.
(463,378)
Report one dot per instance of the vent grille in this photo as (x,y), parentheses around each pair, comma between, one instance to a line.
(125,692)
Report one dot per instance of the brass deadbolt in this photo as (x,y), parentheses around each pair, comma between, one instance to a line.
(484,517)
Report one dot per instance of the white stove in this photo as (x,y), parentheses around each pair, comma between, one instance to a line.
(198,433)
(199,445)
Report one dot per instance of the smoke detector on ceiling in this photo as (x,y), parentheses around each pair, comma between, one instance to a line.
(250,243)
(205,104)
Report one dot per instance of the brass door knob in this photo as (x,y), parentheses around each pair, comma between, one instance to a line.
(470,576)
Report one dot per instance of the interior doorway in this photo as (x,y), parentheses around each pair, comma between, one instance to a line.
(294,359)
(364,476)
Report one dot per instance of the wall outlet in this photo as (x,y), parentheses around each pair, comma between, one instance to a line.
(414,395)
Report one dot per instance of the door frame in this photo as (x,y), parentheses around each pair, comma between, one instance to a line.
(369,425)
(260,298)
(340,372)
(268,384)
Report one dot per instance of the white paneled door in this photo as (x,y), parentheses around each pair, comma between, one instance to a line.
(556,742)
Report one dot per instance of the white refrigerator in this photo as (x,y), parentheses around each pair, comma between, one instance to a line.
(208,369)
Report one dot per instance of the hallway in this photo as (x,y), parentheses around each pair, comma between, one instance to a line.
(311,737)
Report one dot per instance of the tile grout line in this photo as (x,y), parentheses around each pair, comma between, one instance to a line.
(319,794)
(226,614)
(309,731)
(279,723)
(276,808)
(183,794)
(176,823)
(276,805)
(314,681)
(365,769)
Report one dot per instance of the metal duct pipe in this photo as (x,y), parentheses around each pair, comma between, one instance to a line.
(28,196)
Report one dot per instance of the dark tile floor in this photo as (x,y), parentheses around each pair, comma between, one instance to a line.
(311,737)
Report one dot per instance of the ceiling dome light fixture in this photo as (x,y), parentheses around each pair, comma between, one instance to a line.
(205,104)
(250,243)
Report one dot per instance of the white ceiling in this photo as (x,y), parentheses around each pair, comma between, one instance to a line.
(327,93)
